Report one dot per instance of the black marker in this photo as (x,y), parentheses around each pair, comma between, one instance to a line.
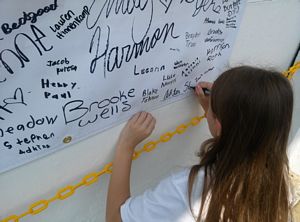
(206,91)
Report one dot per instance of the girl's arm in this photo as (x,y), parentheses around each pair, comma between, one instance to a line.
(138,128)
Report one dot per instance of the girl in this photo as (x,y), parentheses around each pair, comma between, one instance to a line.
(242,174)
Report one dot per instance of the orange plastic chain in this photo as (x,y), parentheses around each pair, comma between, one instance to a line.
(292,70)
(93,177)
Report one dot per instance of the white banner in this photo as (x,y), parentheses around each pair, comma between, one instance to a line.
(70,69)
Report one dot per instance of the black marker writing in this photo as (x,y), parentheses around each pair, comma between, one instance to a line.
(83,114)
(149,95)
(168,79)
(18,54)
(30,124)
(58,62)
(97,35)
(33,138)
(166,4)
(7,145)
(72,24)
(204,5)
(114,57)
(37,147)
(17,98)
(123,8)
(148,70)
(31,17)
(198,78)
(190,68)
(170,93)
(62,20)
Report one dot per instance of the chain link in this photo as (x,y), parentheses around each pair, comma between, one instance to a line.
(93,177)
(90,178)
(65,192)
(38,207)
(292,70)
(148,147)
(11,218)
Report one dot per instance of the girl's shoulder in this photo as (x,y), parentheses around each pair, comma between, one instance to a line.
(294,182)
(167,201)
(181,177)
(180,180)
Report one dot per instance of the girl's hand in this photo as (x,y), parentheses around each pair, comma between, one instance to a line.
(202,98)
(138,128)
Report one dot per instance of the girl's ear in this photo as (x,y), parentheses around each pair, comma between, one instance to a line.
(218,127)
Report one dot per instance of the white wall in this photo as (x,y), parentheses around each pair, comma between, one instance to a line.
(269,36)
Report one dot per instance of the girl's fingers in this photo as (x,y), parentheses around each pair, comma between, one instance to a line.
(152,125)
(203,85)
(201,96)
(142,118)
(207,85)
(135,117)
(199,90)
(148,120)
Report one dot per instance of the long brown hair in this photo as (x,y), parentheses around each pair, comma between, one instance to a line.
(246,166)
